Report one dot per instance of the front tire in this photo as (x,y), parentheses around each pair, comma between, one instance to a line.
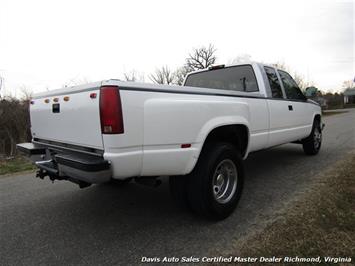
(312,144)
(215,185)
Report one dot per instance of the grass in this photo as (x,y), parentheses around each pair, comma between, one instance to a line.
(320,222)
(17,164)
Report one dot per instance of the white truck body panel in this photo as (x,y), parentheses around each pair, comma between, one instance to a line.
(158,119)
(77,123)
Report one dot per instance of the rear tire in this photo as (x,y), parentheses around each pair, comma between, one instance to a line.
(312,144)
(215,185)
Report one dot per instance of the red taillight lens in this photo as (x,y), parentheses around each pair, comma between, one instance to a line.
(111,110)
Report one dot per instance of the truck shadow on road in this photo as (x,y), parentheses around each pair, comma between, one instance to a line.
(271,176)
(271,179)
(145,220)
(266,171)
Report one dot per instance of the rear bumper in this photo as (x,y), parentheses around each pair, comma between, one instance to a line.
(30,149)
(67,166)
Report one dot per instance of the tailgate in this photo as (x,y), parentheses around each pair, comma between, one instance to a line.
(70,116)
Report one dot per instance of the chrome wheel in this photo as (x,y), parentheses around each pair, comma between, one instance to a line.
(225,181)
(317,137)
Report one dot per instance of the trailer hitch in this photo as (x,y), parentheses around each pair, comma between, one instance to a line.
(41,174)
(48,168)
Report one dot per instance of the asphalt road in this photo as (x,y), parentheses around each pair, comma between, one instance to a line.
(59,224)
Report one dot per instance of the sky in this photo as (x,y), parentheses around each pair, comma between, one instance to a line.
(47,44)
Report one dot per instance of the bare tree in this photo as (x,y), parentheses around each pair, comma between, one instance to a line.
(26,93)
(14,123)
(300,80)
(163,75)
(180,74)
(201,58)
(281,66)
(133,76)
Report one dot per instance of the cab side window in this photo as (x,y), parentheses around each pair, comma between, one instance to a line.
(292,90)
(274,82)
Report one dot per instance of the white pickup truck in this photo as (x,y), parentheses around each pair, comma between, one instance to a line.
(198,134)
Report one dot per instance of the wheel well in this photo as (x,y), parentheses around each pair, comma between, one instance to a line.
(317,118)
(237,135)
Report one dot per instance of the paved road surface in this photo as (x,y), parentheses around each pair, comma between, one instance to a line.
(55,224)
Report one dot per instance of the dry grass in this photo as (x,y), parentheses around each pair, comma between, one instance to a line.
(321,222)
(17,164)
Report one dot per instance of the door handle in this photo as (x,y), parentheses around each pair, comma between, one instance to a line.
(290,108)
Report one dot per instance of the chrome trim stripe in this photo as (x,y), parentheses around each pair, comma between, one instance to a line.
(213,94)
(190,92)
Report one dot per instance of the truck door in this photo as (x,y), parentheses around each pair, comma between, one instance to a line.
(300,110)
(280,115)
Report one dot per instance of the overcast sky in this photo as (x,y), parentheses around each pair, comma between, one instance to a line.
(46,44)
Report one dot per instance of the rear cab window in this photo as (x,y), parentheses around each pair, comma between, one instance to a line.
(234,78)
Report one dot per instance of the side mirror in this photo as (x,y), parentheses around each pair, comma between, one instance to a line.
(310,92)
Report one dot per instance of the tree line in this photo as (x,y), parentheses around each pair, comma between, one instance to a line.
(199,58)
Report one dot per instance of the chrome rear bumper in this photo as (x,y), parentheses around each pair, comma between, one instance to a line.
(76,167)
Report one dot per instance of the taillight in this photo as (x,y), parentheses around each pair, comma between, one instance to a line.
(111,110)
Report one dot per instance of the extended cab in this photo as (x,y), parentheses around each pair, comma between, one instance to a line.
(198,134)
